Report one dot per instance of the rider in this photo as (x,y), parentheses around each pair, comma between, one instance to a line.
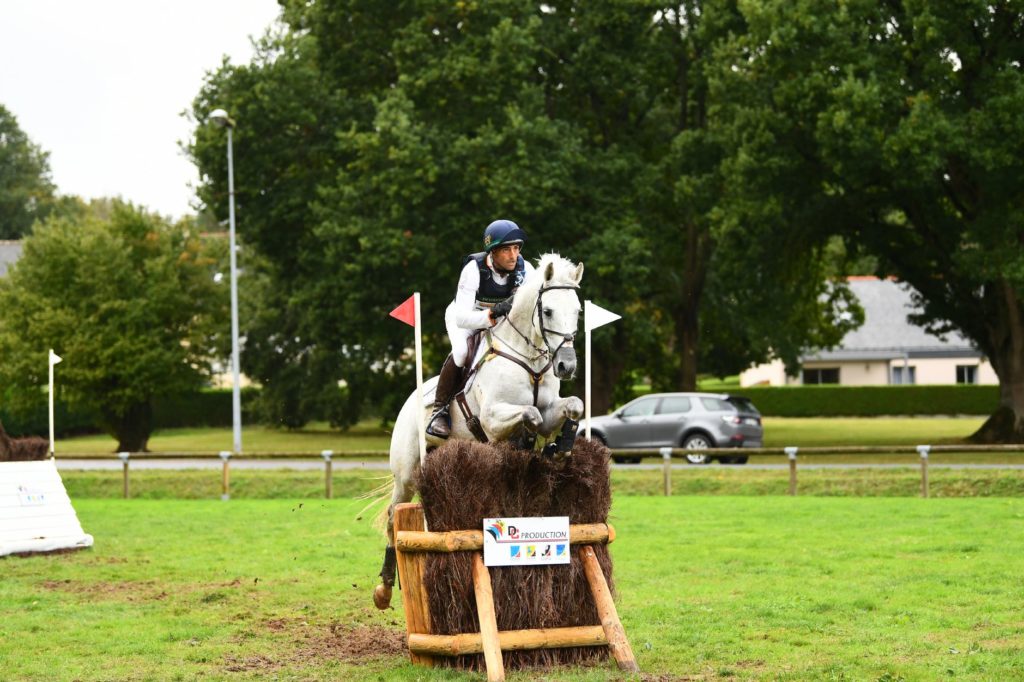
(486,284)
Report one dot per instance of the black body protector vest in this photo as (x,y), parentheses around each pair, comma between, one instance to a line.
(490,292)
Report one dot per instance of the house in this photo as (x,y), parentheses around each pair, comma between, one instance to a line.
(886,349)
(10,252)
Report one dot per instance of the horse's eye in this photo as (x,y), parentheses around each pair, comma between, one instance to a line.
(547,312)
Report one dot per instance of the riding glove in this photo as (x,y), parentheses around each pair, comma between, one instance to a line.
(501,309)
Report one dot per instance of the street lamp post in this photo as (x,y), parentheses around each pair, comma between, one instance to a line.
(221,118)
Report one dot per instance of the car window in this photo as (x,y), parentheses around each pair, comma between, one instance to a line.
(716,405)
(743,404)
(641,408)
(674,405)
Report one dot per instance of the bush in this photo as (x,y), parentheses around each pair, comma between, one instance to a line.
(871,401)
(205,408)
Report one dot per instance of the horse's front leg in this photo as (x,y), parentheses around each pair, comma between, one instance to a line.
(505,421)
(557,411)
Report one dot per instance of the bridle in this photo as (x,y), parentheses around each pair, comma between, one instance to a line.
(547,351)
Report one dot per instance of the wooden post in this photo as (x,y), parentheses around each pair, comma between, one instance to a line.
(225,478)
(923,451)
(791,453)
(328,474)
(666,470)
(124,461)
(606,611)
(488,620)
(409,516)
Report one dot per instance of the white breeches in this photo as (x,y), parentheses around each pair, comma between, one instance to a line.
(458,336)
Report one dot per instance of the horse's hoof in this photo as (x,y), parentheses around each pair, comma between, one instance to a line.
(382,597)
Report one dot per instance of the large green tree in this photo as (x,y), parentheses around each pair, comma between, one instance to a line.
(26,191)
(897,126)
(130,303)
(376,140)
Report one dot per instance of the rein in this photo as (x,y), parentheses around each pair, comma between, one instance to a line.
(536,376)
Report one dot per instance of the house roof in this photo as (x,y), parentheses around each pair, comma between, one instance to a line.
(9,253)
(886,333)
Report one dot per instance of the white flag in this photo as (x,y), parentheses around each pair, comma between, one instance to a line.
(595,316)
(54,358)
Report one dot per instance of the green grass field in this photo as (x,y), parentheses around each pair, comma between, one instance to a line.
(721,588)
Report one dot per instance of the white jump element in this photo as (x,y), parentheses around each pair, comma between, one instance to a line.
(35,511)
(594,316)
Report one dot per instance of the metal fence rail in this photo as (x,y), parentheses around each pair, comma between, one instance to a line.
(665,454)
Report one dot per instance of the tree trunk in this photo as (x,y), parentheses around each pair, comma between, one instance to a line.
(131,429)
(1006,353)
(687,310)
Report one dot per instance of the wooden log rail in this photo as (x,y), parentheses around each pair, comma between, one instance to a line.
(411,544)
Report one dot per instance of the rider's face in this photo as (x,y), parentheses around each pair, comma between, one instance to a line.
(505,257)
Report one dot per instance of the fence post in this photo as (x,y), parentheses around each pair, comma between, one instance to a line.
(328,476)
(666,468)
(225,480)
(923,451)
(791,453)
(123,456)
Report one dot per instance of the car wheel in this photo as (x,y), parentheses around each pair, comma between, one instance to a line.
(697,441)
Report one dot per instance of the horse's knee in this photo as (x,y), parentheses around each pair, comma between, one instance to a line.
(573,407)
(532,419)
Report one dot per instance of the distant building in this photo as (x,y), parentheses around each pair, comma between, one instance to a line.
(9,253)
(886,349)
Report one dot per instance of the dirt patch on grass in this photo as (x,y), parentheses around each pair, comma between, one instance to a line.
(121,590)
(314,644)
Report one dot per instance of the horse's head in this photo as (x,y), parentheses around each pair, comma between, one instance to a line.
(550,299)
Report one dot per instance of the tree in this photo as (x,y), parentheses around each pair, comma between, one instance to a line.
(26,190)
(373,147)
(127,299)
(896,126)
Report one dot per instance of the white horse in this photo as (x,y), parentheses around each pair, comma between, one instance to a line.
(514,392)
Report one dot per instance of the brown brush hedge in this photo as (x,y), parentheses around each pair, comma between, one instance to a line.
(463,483)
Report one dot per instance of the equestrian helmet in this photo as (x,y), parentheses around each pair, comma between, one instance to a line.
(501,233)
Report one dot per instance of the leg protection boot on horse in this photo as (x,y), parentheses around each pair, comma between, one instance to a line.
(562,445)
(382,594)
(448,384)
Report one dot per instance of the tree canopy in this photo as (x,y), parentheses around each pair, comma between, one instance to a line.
(375,142)
(896,126)
(130,303)
(26,191)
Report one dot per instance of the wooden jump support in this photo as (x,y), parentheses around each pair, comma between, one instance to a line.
(412,541)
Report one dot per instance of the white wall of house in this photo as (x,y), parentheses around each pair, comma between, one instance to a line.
(873,372)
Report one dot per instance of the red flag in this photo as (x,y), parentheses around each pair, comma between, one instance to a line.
(406,312)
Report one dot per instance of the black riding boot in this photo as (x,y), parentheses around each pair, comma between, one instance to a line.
(440,424)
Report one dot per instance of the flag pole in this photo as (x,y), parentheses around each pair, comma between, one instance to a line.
(421,417)
(587,356)
(50,360)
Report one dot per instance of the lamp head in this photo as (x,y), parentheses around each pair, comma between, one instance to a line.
(221,118)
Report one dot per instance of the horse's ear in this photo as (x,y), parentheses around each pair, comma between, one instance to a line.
(578,275)
(549,272)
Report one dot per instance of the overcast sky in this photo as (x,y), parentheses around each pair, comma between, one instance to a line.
(101,84)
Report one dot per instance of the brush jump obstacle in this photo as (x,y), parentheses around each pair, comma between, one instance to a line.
(512,393)
(460,612)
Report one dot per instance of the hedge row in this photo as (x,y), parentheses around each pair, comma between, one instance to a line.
(871,401)
(205,408)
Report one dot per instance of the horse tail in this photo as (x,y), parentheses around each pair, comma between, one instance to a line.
(382,492)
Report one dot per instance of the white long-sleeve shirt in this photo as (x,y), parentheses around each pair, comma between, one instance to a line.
(468,315)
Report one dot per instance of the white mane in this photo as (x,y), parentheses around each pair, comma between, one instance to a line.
(564,273)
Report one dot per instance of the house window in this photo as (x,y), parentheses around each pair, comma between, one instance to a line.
(966,374)
(821,375)
(903,375)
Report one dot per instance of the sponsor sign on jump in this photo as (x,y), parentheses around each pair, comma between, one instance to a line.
(529,541)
